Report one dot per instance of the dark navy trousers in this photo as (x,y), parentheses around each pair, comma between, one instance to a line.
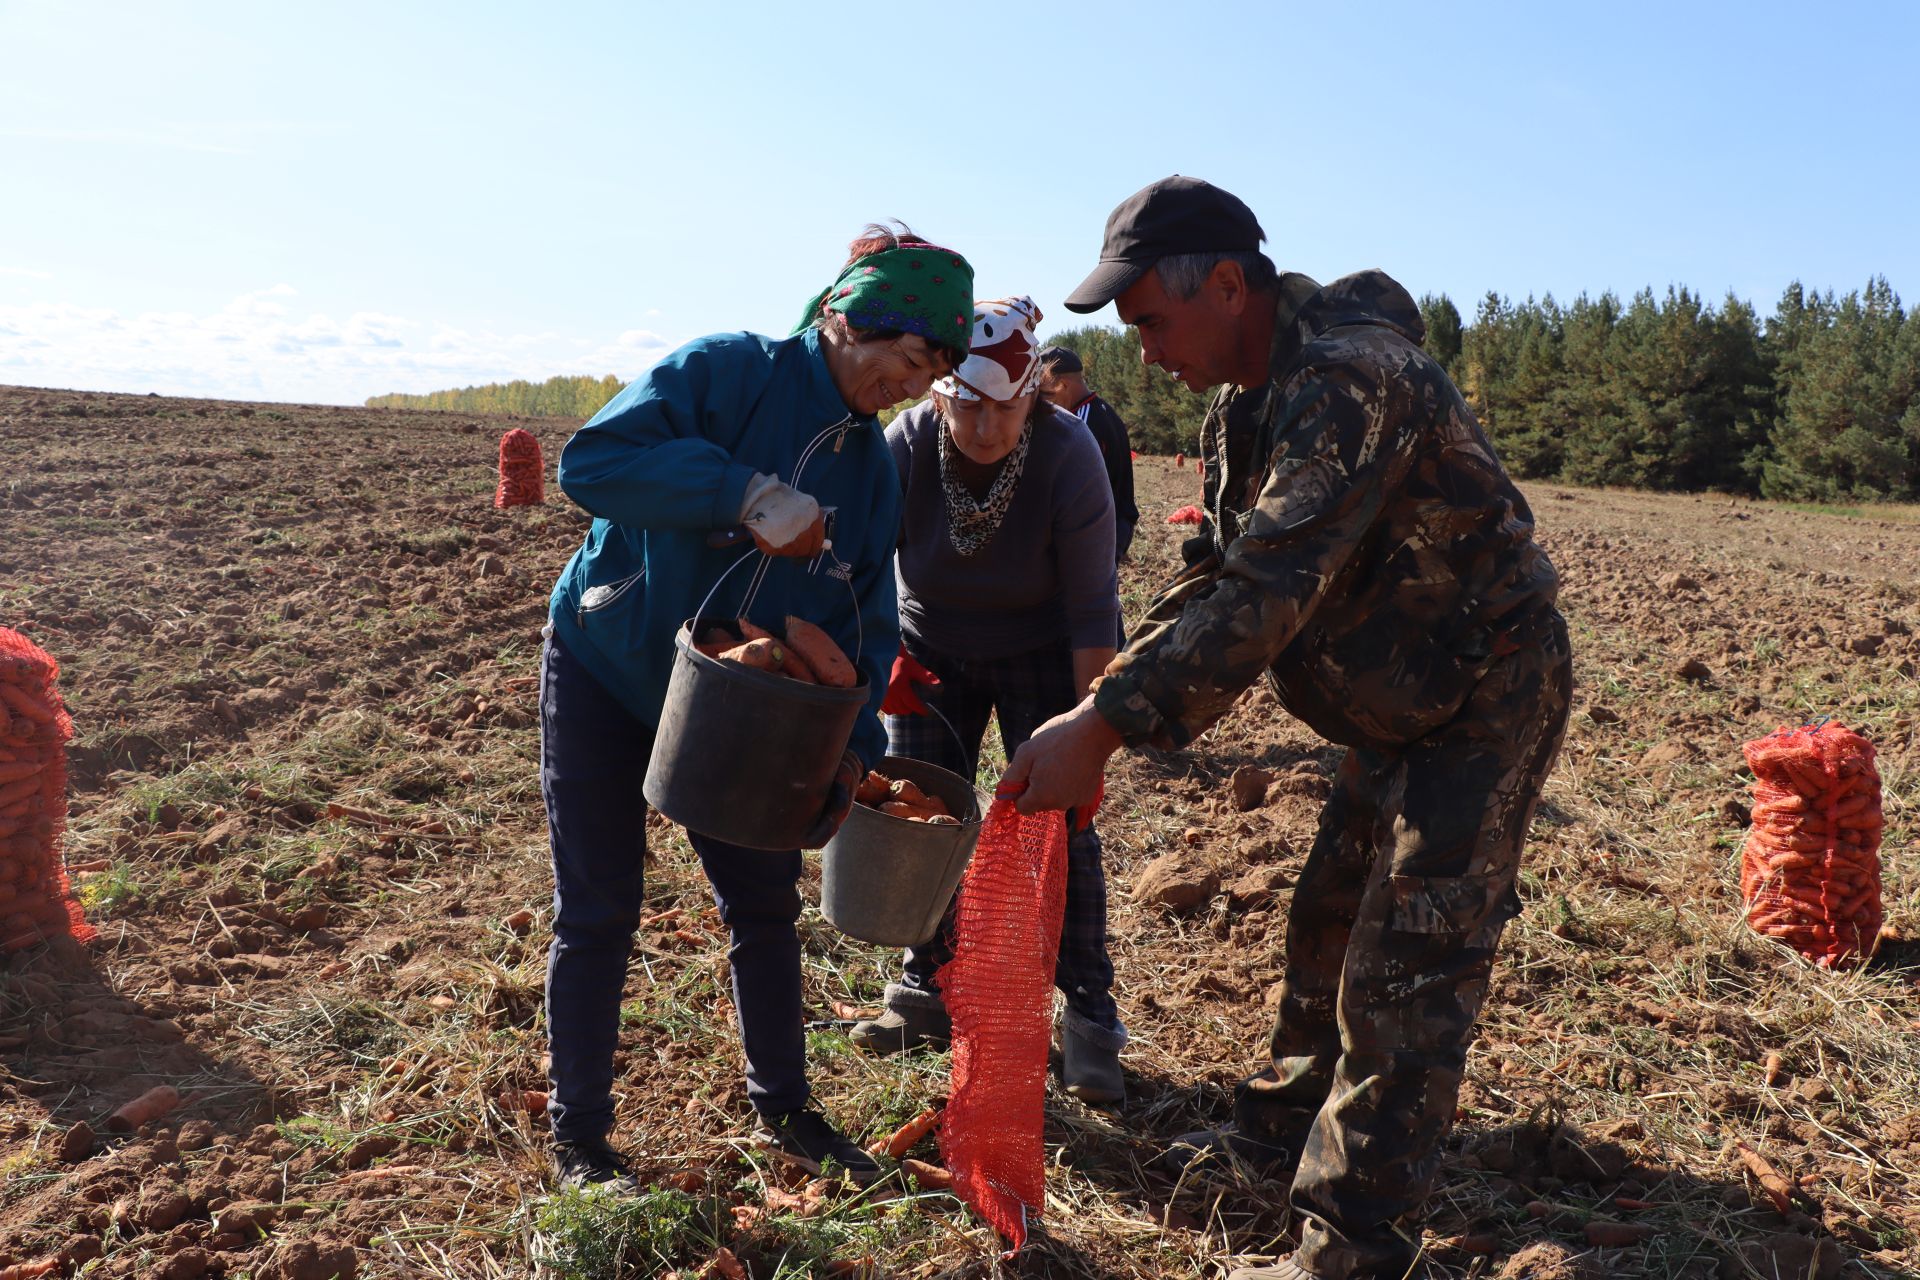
(593,757)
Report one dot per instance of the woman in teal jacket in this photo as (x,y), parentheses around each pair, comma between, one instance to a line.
(779,436)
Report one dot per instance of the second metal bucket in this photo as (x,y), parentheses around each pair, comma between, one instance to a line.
(887,880)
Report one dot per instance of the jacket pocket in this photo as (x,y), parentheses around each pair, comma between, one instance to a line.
(594,599)
(1451,905)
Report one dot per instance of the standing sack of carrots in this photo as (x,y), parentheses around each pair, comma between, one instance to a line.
(1810,869)
(35,902)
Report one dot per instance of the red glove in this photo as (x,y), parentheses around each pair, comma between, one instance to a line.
(901,699)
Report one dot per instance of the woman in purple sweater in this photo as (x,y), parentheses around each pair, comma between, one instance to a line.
(1008,600)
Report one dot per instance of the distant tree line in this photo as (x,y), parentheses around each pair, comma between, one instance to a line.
(562,397)
(1819,402)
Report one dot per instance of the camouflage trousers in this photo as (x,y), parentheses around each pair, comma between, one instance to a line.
(1390,942)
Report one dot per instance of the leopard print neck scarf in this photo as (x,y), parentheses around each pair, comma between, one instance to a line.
(971,525)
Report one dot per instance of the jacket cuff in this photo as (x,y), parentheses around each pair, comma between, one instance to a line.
(1122,704)
(732,495)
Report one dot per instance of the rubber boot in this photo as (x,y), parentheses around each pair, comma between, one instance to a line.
(911,1019)
(1090,1060)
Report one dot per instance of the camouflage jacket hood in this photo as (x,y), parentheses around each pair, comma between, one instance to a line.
(1365,297)
(1370,552)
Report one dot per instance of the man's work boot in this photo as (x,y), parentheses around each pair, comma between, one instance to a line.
(911,1019)
(1090,1061)
(1218,1150)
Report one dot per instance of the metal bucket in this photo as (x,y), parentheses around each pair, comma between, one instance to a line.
(887,880)
(746,756)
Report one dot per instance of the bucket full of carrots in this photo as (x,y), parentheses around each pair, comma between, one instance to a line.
(889,872)
(751,732)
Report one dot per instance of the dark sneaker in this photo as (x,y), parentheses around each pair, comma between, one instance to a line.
(898,1030)
(808,1140)
(592,1163)
(1215,1150)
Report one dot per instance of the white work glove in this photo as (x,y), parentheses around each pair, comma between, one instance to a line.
(782,520)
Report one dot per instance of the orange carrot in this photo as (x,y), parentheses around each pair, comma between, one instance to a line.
(907,1134)
(14,792)
(1613,1235)
(931,1177)
(19,769)
(35,709)
(151,1105)
(906,792)
(1771,1180)
(798,667)
(750,630)
(382,1171)
(761,655)
(30,1270)
(821,653)
(874,789)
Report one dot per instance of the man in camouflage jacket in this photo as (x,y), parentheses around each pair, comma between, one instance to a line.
(1369,555)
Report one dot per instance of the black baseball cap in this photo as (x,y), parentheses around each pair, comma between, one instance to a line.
(1174,215)
(1061,359)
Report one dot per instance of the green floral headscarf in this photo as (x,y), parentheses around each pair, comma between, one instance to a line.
(916,288)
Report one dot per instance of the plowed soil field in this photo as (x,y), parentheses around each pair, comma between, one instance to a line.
(299,646)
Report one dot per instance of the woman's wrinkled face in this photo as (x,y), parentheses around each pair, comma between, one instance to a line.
(985,431)
(879,375)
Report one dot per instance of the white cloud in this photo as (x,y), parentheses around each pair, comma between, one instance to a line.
(256,347)
(26,273)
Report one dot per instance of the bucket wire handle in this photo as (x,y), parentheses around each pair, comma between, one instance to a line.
(959,742)
(841,569)
(712,591)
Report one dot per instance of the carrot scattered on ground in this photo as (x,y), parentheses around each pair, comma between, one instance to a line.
(931,1177)
(902,1139)
(149,1106)
(1771,1180)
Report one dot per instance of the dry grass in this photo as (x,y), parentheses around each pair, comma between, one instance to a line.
(1622,1052)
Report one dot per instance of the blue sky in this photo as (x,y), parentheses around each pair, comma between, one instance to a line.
(327,202)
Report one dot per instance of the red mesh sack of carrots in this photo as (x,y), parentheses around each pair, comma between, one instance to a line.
(35,900)
(1810,871)
(999,992)
(522,473)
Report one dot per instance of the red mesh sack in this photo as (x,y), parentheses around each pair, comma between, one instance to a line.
(1187,515)
(522,474)
(999,992)
(1810,871)
(36,902)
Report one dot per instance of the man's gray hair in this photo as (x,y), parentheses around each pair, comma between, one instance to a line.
(1182,274)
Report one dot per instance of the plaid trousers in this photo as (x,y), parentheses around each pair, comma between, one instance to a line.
(1024,691)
